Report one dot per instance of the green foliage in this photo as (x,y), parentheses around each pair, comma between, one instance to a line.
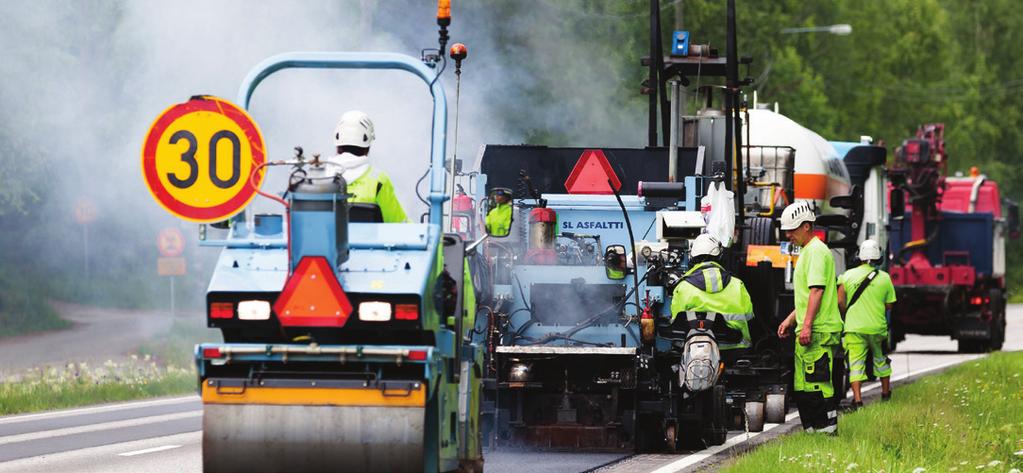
(966,419)
(24,309)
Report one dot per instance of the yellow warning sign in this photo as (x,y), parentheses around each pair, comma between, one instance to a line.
(198,159)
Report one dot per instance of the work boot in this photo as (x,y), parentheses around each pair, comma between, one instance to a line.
(855,406)
(886,396)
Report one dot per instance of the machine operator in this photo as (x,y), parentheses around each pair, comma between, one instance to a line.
(499,218)
(865,293)
(353,137)
(817,322)
(709,288)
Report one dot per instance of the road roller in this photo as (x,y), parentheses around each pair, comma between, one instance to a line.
(345,339)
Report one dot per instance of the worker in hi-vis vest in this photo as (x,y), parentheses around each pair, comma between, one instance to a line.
(709,288)
(865,294)
(816,320)
(499,218)
(353,137)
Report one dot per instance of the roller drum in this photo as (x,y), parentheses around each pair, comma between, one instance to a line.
(273,438)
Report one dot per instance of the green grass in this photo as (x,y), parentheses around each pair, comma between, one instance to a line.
(969,418)
(160,367)
(24,309)
(79,385)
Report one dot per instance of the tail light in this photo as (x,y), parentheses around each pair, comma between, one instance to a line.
(417,355)
(821,234)
(221,310)
(406,312)
(210,353)
(978,300)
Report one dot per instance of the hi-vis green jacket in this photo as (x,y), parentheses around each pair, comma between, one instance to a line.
(707,287)
(374,187)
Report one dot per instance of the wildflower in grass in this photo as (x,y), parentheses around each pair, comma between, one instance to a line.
(994,463)
(1019,453)
(851,466)
(919,469)
(1015,470)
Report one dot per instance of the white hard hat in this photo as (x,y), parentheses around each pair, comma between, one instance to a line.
(869,250)
(705,245)
(354,129)
(796,214)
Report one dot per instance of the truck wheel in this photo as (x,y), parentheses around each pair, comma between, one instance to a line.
(718,432)
(774,408)
(755,416)
(997,319)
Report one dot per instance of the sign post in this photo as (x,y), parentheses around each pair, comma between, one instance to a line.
(171,244)
(85,213)
(202,161)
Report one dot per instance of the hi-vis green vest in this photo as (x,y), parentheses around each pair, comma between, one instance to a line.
(499,220)
(707,287)
(375,187)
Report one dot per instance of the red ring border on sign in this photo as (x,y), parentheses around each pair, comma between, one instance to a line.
(201,104)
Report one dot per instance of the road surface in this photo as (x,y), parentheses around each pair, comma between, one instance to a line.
(98,334)
(163,435)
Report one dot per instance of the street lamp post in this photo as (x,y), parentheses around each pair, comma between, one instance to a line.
(840,29)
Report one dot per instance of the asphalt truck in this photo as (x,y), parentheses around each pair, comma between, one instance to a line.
(575,299)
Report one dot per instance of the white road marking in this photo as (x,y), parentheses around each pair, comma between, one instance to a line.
(97,427)
(695,458)
(148,450)
(90,410)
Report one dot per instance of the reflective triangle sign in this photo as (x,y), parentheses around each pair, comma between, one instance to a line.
(591,173)
(313,297)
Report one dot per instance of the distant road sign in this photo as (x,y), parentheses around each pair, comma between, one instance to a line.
(198,157)
(170,266)
(171,242)
(85,211)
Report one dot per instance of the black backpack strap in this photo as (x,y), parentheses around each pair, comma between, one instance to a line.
(859,290)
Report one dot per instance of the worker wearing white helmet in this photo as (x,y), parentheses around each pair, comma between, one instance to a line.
(353,137)
(816,320)
(865,293)
(709,291)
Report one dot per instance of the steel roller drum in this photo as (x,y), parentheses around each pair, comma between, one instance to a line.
(277,438)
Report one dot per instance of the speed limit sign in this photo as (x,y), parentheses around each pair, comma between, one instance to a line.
(198,159)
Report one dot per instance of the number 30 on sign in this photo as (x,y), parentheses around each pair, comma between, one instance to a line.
(198,158)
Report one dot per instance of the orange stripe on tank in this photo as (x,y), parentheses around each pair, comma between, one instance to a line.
(811,186)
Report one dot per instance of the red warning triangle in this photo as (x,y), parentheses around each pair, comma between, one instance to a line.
(312,297)
(591,173)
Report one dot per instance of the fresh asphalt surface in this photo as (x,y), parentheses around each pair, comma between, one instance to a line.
(163,435)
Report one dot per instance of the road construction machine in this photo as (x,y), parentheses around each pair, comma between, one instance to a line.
(346,341)
(582,352)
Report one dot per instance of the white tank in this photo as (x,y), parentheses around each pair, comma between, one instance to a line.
(820,173)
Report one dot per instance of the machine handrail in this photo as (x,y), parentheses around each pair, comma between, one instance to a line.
(361,60)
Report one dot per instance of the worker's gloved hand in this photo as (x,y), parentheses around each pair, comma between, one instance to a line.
(804,335)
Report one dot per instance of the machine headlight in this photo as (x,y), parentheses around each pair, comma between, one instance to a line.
(253,310)
(375,311)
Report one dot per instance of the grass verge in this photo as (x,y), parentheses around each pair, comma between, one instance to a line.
(969,418)
(161,367)
(79,384)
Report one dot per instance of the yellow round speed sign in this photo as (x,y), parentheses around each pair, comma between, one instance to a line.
(199,157)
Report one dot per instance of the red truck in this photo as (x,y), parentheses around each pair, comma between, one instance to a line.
(947,247)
